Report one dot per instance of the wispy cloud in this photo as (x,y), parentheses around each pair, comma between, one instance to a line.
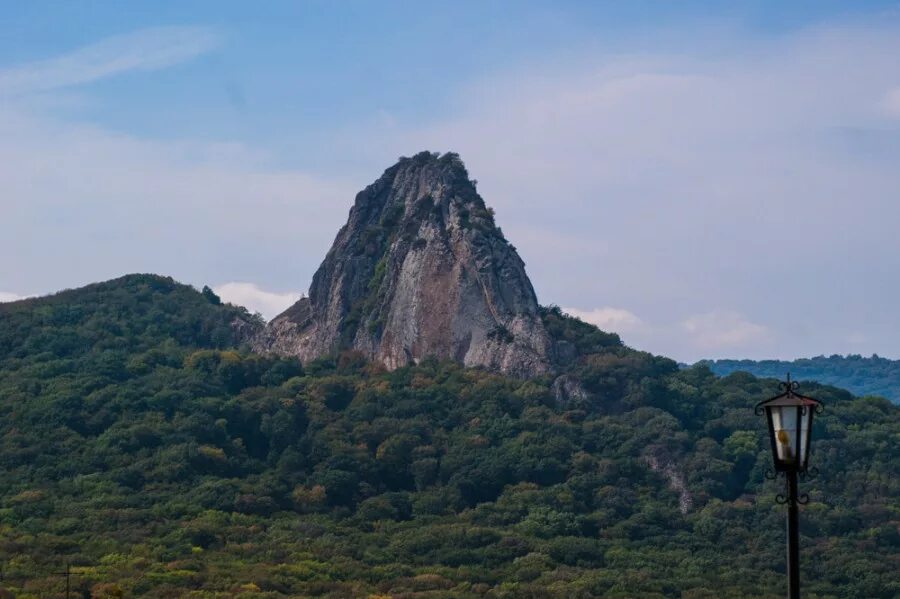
(617,320)
(723,330)
(715,333)
(103,203)
(249,295)
(143,50)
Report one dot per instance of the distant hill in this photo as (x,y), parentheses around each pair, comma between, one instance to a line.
(144,444)
(862,376)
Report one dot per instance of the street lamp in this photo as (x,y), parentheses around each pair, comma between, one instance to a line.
(789,417)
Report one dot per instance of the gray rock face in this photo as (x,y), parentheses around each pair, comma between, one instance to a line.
(567,388)
(675,479)
(420,269)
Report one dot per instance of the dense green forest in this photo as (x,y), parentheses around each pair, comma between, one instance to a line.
(863,376)
(143,445)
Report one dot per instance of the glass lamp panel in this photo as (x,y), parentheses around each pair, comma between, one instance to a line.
(785,427)
(805,425)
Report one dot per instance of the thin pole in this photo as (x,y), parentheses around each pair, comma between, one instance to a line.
(793,538)
(67,581)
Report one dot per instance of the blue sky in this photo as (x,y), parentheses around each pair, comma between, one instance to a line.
(709,179)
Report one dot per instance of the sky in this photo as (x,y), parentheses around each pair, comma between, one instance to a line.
(707,179)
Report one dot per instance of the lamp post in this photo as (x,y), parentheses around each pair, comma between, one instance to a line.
(789,417)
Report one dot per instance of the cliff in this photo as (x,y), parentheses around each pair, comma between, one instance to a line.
(419,269)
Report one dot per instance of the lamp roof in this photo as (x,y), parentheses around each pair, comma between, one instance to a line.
(786,399)
(790,397)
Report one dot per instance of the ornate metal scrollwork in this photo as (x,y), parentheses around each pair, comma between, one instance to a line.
(809,473)
(789,385)
(770,474)
(791,498)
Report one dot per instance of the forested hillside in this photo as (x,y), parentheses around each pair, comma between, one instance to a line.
(142,444)
(863,376)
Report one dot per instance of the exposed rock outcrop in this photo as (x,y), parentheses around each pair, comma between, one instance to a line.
(567,388)
(420,269)
(675,481)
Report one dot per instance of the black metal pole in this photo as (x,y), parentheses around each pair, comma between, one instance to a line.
(793,537)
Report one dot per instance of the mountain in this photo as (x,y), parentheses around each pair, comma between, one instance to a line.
(420,269)
(863,376)
(123,316)
(144,444)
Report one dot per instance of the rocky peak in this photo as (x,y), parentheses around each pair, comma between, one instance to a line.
(420,269)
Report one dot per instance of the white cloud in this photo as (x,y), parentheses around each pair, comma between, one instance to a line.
(267,303)
(718,333)
(891,103)
(723,330)
(144,50)
(615,320)
(6,296)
